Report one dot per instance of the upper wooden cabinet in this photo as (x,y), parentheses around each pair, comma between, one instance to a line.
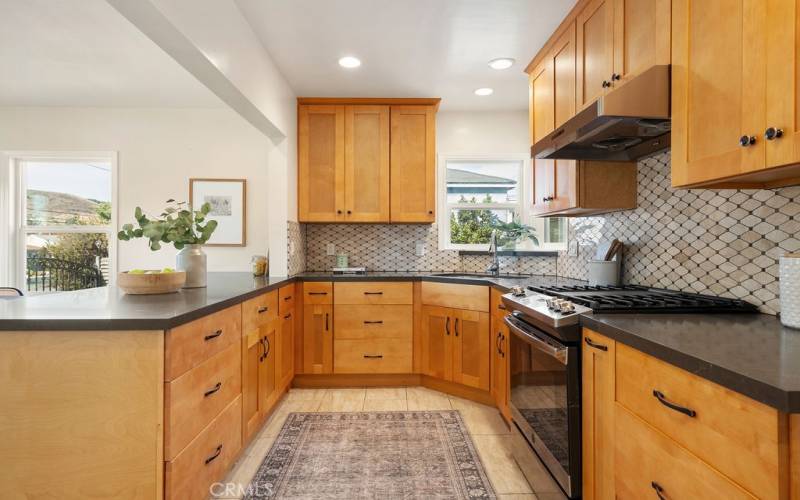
(366,160)
(641,37)
(413,164)
(735,93)
(595,33)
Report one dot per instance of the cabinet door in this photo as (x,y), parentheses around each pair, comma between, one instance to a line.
(718,88)
(266,370)
(541,96)
(594,30)
(500,378)
(320,158)
(285,357)
(366,160)
(252,350)
(544,176)
(598,416)
(565,192)
(413,163)
(783,83)
(641,37)
(472,353)
(437,335)
(317,338)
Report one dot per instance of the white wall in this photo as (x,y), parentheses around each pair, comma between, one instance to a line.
(159,150)
(482,132)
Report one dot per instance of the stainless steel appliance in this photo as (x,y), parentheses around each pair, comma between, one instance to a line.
(545,370)
(623,125)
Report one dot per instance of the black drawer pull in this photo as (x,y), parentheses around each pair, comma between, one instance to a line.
(215,455)
(595,345)
(659,490)
(288,316)
(287,298)
(373,356)
(214,389)
(373,293)
(378,322)
(672,406)
(455,328)
(263,309)
(318,293)
(447,326)
(213,335)
(326,322)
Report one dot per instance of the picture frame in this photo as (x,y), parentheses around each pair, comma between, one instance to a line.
(228,198)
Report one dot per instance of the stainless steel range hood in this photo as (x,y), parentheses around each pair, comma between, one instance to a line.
(625,124)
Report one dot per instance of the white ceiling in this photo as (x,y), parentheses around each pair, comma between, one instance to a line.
(409,48)
(84,53)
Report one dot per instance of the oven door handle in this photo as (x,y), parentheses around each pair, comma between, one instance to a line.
(559,353)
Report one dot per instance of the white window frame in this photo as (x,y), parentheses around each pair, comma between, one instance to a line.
(13,199)
(522,206)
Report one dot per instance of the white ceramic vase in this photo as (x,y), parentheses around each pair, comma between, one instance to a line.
(790,290)
(192,259)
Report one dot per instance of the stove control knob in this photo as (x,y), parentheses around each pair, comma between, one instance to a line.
(551,303)
(517,291)
(567,307)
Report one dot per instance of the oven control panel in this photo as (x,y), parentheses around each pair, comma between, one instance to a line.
(552,311)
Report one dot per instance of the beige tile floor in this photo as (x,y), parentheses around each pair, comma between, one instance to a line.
(484,424)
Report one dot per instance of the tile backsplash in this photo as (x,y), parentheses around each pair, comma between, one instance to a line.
(719,242)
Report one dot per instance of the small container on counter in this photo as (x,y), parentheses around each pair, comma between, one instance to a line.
(341,260)
(258,264)
(603,272)
(790,290)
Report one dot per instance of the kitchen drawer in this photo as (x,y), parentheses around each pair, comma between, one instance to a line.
(372,322)
(732,433)
(647,461)
(470,297)
(207,459)
(286,299)
(317,292)
(190,344)
(372,356)
(373,292)
(259,311)
(192,400)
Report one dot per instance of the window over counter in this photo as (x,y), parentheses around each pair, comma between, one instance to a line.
(62,231)
(479,194)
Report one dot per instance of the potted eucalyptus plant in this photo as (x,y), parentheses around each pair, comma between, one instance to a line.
(186,229)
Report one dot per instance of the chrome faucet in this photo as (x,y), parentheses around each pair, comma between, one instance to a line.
(494,267)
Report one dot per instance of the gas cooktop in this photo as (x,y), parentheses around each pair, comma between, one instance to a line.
(640,299)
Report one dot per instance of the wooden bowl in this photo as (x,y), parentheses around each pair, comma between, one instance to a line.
(151,284)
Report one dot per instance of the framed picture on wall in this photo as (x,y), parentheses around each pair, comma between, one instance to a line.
(228,200)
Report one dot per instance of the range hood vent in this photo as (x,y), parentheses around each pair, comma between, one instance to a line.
(626,124)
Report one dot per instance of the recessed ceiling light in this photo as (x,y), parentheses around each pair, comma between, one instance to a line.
(483,91)
(349,62)
(501,63)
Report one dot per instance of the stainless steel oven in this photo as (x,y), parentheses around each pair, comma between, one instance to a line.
(545,400)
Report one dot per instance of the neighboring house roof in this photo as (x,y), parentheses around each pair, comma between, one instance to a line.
(455,176)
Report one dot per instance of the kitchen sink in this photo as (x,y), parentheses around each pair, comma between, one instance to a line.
(483,275)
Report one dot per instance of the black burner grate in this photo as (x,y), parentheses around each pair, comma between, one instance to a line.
(633,298)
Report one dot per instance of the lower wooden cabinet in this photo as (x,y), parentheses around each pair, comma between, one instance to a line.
(500,377)
(598,416)
(317,338)
(456,345)
(285,350)
(258,376)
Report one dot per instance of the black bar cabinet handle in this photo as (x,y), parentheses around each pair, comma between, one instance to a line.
(262,309)
(326,322)
(214,389)
(215,455)
(267,347)
(373,356)
(288,316)
(213,335)
(289,297)
(455,328)
(377,322)
(373,293)
(264,349)
(594,344)
(447,326)
(672,406)
(318,293)
(659,490)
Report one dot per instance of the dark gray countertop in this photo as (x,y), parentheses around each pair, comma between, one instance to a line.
(748,353)
(752,354)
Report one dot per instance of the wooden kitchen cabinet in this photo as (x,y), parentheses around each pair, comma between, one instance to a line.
(580,188)
(321,163)
(366,160)
(317,338)
(285,350)
(595,51)
(413,163)
(500,378)
(258,376)
(641,37)
(456,346)
(598,356)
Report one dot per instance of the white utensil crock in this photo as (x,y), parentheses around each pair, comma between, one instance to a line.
(790,290)
(603,272)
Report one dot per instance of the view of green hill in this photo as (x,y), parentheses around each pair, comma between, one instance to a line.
(52,208)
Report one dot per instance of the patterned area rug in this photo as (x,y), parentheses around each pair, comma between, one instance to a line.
(386,455)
